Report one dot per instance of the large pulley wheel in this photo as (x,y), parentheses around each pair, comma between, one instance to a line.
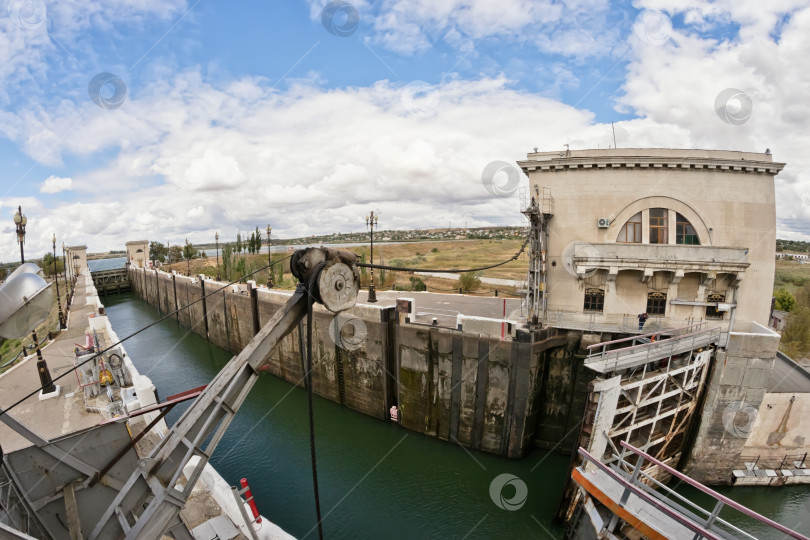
(338,285)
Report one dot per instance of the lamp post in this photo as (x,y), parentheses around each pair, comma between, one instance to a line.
(187,255)
(20,221)
(269,259)
(42,368)
(65,276)
(371,222)
(56,279)
(216,238)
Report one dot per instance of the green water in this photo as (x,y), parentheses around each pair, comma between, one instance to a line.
(377,480)
(787,505)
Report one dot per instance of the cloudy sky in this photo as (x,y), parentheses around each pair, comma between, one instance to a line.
(172,119)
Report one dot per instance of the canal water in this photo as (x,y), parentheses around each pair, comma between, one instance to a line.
(376,480)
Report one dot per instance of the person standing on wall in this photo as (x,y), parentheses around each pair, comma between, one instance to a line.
(642,318)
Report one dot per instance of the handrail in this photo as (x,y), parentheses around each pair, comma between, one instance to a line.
(708,491)
(695,506)
(649,498)
(657,332)
(653,344)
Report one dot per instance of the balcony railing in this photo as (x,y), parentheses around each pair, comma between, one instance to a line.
(637,350)
(625,323)
(621,256)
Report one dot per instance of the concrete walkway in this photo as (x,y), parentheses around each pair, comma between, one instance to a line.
(57,416)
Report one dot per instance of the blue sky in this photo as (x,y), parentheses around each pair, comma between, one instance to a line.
(247,113)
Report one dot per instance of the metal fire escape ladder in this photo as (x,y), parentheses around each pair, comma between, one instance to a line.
(151,500)
(538,213)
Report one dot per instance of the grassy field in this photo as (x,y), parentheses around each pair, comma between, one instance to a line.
(791,275)
(451,254)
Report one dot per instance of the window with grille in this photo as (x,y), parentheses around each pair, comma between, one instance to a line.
(659,228)
(684,232)
(656,303)
(631,232)
(712,311)
(594,300)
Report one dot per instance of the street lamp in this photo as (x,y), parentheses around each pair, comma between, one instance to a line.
(56,279)
(216,238)
(371,222)
(20,221)
(187,255)
(68,292)
(269,259)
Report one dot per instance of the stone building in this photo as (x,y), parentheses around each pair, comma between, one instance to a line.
(682,235)
(138,253)
(76,260)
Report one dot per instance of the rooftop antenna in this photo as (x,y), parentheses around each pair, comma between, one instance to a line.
(614,134)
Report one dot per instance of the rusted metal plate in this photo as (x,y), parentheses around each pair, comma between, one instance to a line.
(403,305)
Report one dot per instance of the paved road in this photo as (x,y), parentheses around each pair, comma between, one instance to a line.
(445,307)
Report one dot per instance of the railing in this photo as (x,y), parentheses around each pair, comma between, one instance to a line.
(705,524)
(614,322)
(788,461)
(651,347)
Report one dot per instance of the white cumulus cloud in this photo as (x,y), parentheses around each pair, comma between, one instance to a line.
(55,184)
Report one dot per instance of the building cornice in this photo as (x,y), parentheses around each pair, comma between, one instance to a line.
(650,162)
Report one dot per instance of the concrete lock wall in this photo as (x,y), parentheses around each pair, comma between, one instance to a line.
(457,385)
(735,391)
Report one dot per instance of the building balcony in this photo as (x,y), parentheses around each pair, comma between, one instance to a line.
(650,258)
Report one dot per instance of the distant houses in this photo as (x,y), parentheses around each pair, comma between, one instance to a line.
(801,257)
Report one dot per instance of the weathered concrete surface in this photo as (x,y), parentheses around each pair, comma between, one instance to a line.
(66,413)
(736,388)
(473,388)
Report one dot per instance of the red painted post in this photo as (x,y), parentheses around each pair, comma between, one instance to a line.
(250,501)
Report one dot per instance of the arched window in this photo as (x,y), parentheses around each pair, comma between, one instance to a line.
(139,251)
(684,232)
(659,228)
(631,232)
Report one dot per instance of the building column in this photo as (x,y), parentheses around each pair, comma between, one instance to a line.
(645,226)
(671,226)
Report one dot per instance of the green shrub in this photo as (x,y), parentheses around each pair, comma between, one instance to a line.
(417,284)
(469,281)
(784,301)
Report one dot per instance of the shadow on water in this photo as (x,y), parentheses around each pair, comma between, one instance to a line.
(376,479)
